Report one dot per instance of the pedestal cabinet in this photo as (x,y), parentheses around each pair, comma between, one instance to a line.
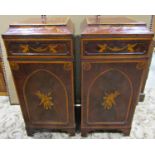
(41,60)
(115,55)
(3,91)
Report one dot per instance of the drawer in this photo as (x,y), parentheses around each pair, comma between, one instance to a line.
(110,47)
(39,47)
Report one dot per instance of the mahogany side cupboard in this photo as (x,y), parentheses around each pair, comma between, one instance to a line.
(41,60)
(115,55)
(114,62)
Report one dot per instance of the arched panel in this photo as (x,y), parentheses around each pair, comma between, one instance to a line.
(109,97)
(42,90)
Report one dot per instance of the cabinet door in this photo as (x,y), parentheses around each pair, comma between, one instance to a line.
(45,91)
(110,91)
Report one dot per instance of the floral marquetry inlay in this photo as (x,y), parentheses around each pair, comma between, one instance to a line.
(25,48)
(86,66)
(46,100)
(110,99)
(141,65)
(105,47)
(67,66)
(14,66)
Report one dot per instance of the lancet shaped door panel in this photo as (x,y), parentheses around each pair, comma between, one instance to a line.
(43,97)
(110,96)
(109,92)
(47,93)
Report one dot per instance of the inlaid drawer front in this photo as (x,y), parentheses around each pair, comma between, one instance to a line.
(103,47)
(41,47)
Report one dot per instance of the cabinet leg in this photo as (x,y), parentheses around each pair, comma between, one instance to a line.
(30,132)
(141,97)
(84,133)
(126,132)
(71,132)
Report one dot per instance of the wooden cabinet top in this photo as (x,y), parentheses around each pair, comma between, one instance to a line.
(114,26)
(52,26)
